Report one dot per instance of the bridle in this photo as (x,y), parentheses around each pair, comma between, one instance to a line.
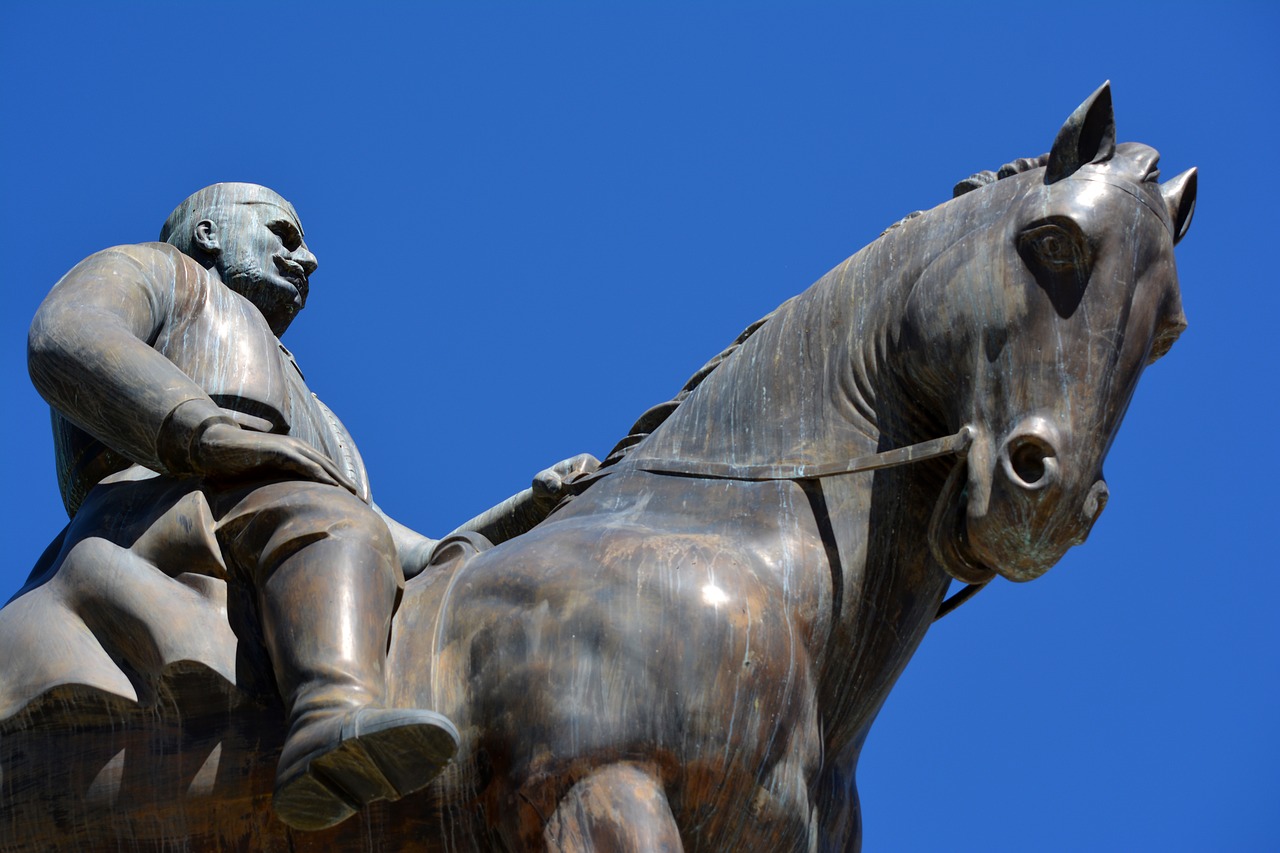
(957,445)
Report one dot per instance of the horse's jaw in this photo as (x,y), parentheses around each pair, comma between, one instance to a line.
(989,520)
(948,533)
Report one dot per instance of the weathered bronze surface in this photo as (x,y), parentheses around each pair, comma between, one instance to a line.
(688,653)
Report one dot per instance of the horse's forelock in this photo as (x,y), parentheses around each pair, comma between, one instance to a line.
(1135,161)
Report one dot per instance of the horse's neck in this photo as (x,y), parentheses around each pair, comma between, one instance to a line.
(814,385)
(888,590)
(804,389)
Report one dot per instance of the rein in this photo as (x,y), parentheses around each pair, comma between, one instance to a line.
(933,448)
(957,444)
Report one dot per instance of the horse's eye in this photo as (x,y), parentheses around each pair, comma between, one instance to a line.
(1060,257)
(1052,247)
(1055,246)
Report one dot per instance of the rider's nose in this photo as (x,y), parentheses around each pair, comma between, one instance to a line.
(1030,456)
(303,257)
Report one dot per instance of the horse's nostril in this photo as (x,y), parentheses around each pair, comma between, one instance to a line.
(1029,460)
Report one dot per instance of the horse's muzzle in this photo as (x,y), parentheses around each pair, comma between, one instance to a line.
(1025,505)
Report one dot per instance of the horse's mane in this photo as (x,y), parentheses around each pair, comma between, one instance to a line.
(655,415)
(980,179)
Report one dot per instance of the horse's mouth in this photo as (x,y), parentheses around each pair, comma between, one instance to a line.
(949,534)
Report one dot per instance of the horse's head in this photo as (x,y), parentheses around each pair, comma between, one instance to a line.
(1032,327)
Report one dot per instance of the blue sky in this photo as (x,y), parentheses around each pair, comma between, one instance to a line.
(535,222)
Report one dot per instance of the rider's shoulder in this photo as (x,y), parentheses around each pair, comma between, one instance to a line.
(160,251)
(145,255)
(159,263)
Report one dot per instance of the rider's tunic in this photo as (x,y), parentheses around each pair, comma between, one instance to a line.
(93,357)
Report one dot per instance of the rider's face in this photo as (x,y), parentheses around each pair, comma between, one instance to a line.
(265,259)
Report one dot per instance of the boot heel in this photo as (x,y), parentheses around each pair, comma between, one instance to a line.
(408,748)
(308,802)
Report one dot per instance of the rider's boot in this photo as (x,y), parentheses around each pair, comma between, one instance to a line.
(326,616)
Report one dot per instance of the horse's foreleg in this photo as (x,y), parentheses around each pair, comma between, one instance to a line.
(618,807)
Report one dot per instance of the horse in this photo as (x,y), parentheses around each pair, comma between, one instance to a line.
(689,653)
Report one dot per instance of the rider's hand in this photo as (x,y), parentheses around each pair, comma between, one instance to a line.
(226,450)
(550,484)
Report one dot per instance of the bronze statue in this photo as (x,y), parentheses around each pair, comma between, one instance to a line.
(689,652)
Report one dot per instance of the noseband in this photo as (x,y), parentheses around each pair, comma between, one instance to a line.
(957,444)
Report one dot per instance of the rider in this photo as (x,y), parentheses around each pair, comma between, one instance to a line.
(179,418)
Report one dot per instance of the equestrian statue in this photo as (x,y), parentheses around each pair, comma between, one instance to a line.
(682,647)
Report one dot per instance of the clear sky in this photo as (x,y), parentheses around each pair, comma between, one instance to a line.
(535,222)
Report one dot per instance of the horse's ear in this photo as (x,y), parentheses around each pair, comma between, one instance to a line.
(1180,197)
(1089,136)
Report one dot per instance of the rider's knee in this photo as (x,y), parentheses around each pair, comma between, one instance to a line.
(298,515)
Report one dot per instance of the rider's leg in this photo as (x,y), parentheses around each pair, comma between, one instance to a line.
(327,576)
(618,807)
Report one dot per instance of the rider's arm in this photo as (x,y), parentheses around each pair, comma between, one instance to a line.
(516,515)
(519,513)
(89,356)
